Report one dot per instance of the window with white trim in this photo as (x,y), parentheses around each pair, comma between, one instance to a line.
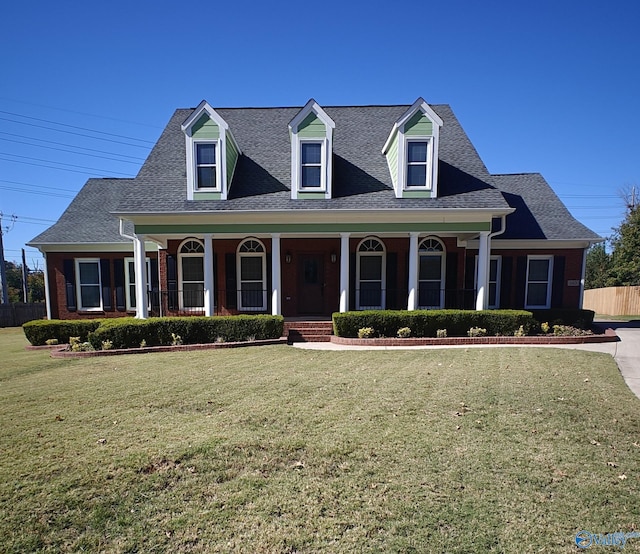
(88,284)
(206,165)
(430,274)
(311,164)
(130,282)
(371,275)
(252,269)
(495,269)
(418,163)
(539,272)
(191,274)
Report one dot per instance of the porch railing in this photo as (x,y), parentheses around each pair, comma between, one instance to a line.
(191,302)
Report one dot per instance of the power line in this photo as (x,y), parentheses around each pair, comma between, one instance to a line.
(37,192)
(37,186)
(81,113)
(78,134)
(70,151)
(72,146)
(74,127)
(64,169)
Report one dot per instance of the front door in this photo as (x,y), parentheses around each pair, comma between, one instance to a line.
(311,284)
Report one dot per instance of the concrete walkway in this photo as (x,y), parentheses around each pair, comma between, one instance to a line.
(626,352)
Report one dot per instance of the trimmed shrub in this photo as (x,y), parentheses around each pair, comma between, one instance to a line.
(39,331)
(164,331)
(425,323)
(582,319)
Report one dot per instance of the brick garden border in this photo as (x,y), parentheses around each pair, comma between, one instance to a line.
(608,336)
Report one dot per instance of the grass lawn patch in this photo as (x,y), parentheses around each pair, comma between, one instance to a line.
(277,449)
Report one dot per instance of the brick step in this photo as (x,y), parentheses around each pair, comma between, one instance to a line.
(308,331)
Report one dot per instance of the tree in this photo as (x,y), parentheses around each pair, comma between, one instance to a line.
(598,270)
(35,284)
(625,270)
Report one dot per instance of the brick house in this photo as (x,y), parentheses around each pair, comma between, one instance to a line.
(307,211)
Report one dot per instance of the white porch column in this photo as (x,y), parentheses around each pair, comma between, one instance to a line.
(276,275)
(209,279)
(484,252)
(344,272)
(140,268)
(47,294)
(412,303)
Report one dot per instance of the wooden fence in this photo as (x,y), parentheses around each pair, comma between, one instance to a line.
(613,300)
(14,315)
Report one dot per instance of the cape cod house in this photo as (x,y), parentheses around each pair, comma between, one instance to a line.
(307,211)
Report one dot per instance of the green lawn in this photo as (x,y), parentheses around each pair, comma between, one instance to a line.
(276,449)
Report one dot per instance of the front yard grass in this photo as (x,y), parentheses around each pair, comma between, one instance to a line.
(276,449)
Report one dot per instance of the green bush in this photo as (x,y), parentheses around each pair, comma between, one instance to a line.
(164,331)
(39,331)
(425,323)
(582,319)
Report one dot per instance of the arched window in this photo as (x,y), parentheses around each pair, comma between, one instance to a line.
(370,275)
(191,274)
(252,270)
(430,274)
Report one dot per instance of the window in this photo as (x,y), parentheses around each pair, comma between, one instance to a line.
(495,268)
(206,165)
(252,264)
(311,164)
(430,274)
(88,286)
(539,270)
(417,163)
(191,274)
(130,282)
(371,273)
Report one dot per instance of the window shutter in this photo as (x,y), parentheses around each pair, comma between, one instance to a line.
(231,280)
(105,277)
(70,284)
(269,283)
(557,287)
(352,281)
(172,282)
(392,280)
(521,281)
(154,283)
(506,282)
(451,296)
(118,281)
(469,280)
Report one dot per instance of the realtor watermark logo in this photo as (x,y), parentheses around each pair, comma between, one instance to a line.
(585,539)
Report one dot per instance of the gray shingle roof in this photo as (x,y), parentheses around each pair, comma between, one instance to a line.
(539,214)
(361,178)
(88,218)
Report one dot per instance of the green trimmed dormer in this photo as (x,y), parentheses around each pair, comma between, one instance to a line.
(412,152)
(211,154)
(311,132)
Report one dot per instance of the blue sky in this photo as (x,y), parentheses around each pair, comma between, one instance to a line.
(548,87)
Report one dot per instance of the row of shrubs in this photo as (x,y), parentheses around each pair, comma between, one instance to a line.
(129,332)
(457,323)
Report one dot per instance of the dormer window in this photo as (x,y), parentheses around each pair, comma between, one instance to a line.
(417,163)
(311,153)
(206,166)
(211,154)
(412,152)
(311,164)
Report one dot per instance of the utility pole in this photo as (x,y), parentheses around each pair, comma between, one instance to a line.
(25,275)
(3,271)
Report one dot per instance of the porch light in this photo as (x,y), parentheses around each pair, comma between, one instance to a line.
(287,257)
(334,257)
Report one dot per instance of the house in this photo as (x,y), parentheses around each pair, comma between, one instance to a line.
(307,211)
